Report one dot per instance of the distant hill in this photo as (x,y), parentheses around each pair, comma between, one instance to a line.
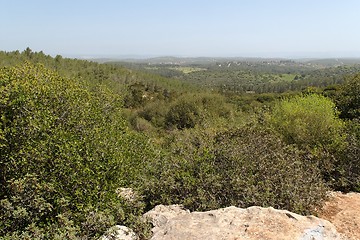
(166,60)
(334,62)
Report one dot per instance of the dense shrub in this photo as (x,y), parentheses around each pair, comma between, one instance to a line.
(64,150)
(202,109)
(348,100)
(347,175)
(155,113)
(311,122)
(308,121)
(241,167)
(182,114)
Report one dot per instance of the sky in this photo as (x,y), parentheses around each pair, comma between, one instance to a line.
(184,28)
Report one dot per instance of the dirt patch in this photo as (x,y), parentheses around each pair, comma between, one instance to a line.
(343,210)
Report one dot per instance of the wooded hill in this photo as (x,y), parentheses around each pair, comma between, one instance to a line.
(258,75)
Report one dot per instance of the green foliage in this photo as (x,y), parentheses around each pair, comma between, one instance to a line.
(136,96)
(182,114)
(347,176)
(308,121)
(311,122)
(155,113)
(28,201)
(64,150)
(241,167)
(251,75)
(201,109)
(348,100)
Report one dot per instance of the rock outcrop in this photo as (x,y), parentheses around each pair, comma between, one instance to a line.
(173,222)
(119,232)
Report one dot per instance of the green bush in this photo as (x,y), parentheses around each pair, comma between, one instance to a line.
(347,176)
(182,114)
(155,113)
(309,121)
(241,167)
(64,150)
(203,109)
(348,100)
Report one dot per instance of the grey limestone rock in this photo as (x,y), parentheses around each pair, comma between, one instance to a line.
(174,222)
(119,232)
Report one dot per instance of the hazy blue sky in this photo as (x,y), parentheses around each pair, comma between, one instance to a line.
(286,28)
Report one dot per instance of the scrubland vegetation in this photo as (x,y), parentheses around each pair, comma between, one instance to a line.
(72,132)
